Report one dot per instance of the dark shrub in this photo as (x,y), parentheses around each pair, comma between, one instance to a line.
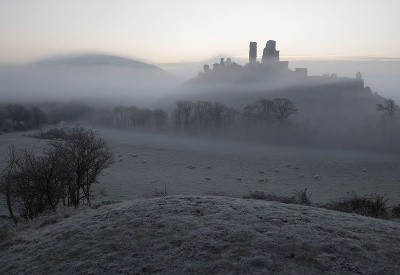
(396,211)
(53,133)
(371,206)
(302,197)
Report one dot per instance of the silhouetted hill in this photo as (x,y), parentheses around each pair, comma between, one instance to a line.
(91,60)
(90,77)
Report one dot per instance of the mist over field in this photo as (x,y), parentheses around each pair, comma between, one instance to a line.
(382,76)
(200,137)
(227,170)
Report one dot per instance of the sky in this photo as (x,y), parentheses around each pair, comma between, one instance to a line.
(158,31)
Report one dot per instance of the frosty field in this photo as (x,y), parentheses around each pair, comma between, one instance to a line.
(167,157)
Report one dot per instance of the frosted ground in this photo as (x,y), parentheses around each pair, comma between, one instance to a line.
(188,233)
(167,157)
(205,235)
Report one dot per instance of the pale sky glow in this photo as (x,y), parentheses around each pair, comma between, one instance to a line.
(179,31)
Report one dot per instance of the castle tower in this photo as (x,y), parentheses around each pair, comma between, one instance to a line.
(270,54)
(253,53)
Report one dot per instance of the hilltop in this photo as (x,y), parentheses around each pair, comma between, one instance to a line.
(207,235)
(97,60)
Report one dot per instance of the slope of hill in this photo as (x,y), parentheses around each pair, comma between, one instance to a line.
(90,60)
(205,235)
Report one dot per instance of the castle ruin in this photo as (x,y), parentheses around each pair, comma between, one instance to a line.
(270,54)
(253,53)
(269,69)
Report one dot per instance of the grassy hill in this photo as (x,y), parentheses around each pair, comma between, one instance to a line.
(205,235)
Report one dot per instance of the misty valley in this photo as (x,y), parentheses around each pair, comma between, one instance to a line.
(115,134)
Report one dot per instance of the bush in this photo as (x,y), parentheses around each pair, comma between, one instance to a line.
(301,197)
(53,133)
(371,206)
(396,211)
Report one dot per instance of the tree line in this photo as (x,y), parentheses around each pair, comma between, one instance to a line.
(203,117)
(265,120)
(19,117)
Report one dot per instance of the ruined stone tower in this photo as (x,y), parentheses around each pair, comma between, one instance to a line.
(253,53)
(270,54)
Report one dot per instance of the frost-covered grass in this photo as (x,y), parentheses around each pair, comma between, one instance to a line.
(167,158)
(206,235)
(340,172)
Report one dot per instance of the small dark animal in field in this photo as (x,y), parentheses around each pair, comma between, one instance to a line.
(364,170)
(207,178)
(316,177)
(301,176)
(239,179)
(276,170)
(261,171)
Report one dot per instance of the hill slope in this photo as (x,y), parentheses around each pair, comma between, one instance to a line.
(204,235)
(88,60)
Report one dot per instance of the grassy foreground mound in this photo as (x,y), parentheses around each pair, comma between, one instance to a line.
(206,235)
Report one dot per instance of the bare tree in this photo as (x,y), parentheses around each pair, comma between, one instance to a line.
(17,113)
(2,116)
(266,108)
(389,109)
(31,183)
(160,118)
(249,113)
(202,110)
(185,107)
(119,116)
(84,156)
(218,111)
(177,117)
(231,118)
(282,109)
(38,117)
